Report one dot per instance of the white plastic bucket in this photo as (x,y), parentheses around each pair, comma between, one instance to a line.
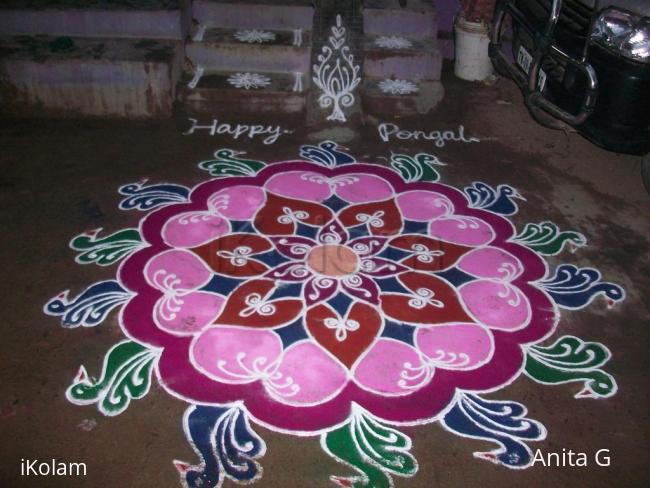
(472,41)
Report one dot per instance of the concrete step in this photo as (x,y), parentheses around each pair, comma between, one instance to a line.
(159,19)
(43,75)
(386,96)
(386,18)
(401,57)
(266,92)
(251,49)
(254,14)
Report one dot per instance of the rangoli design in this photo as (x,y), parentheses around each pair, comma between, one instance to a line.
(336,74)
(331,298)
(252,36)
(249,81)
(393,42)
(397,87)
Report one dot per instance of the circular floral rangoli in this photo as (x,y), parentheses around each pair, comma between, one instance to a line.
(334,298)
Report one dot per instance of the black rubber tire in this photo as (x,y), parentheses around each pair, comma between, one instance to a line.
(645,172)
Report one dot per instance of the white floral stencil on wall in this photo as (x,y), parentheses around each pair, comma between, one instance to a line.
(397,87)
(254,35)
(336,75)
(249,80)
(393,42)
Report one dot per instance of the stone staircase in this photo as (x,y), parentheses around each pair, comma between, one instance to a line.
(147,58)
(402,61)
(248,57)
(96,58)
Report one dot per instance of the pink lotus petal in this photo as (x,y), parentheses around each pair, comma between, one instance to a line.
(177,271)
(459,229)
(306,375)
(302,185)
(497,305)
(238,202)
(424,205)
(491,262)
(188,314)
(192,229)
(455,346)
(236,354)
(360,188)
(392,368)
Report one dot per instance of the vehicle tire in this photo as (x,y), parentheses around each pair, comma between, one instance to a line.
(645,172)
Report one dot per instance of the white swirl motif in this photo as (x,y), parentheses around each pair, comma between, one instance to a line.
(414,377)
(165,281)
(169,305)
(171,302)
(341,326)
(218,202)
(365,249)
(509,270)
(445,204)
(195,217)
(425,297)
(292,216)
(238,256)
(507,292)
(295,270)
(315,178)
(333,183)
(297,249)
(342,181)
(449,359)
(370,266)
(320,283)
(424,254)
(331,236)
(465,223)
(257,305)
(355,282)
(260,370)
(374,220)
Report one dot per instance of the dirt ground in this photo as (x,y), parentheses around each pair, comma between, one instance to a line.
(59,178)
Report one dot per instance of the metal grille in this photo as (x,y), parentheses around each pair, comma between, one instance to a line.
(574,16)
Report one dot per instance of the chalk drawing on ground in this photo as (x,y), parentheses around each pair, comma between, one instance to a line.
(335,299)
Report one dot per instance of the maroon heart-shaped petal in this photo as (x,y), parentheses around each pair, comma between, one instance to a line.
(347,337)
(428,254)
(280,215)
(381,218)
(233,255)
(249,305)
(431,301)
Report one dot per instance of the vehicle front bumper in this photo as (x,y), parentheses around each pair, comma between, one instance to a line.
(603,95)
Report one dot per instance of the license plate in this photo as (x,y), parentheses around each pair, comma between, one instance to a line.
(524,59)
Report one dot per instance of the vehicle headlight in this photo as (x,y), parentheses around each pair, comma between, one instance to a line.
(624,32)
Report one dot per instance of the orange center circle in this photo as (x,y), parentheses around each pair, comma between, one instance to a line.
(333,260)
